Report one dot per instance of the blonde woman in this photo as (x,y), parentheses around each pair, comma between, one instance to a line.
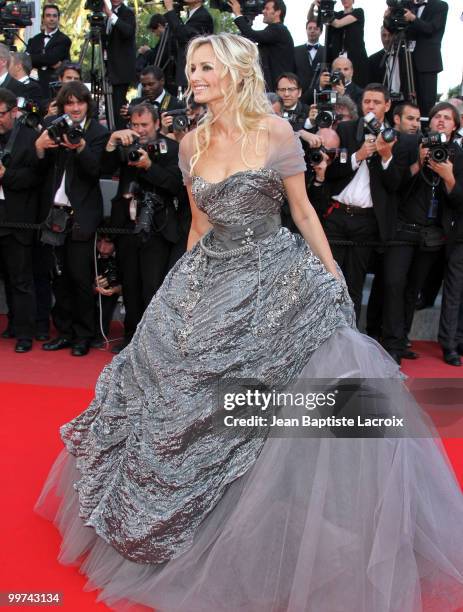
(175,509)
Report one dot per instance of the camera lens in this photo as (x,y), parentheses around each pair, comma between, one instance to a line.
(439,154)
(133,156)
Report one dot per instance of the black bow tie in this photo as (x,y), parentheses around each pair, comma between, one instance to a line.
(417,5)
(310,47)
(48,35)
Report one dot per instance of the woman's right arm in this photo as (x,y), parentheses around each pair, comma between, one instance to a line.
(199,222)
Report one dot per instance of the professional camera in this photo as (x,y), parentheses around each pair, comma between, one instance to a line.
(16,14)
(131,152)
(295,119)
(315,156)
(249,8)
(151,212)
(373,126)
(30,112)
(337,78)
(96,18)
(326,102)
(437,145)
(326,11)
(107,268)
(64,126)
(181,121)
(54,87)
(396,20)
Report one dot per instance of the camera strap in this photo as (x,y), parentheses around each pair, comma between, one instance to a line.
(12,139)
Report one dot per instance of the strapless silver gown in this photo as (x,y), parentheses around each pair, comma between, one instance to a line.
(161,509)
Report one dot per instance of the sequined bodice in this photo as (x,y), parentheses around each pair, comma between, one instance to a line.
(241,198)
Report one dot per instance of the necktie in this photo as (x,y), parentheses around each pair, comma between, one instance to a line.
(310,47)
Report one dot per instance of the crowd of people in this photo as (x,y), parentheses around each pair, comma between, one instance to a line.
(384,163)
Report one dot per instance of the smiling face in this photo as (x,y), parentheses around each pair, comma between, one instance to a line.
(205,74)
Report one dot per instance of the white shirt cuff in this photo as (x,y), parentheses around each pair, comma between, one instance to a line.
(308,124)
(354,162)
(113,18)
(385,164)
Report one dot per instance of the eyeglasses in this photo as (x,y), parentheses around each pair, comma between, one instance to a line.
(3,113)
(287,89)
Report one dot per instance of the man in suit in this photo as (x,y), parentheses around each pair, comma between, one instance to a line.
(145,257)
(162,55)
(121,52)
(6,80)
(346,87)
(426,27)
(152,90)
(290,90)
(49,48)
(276,46)
(363,206)
(20,68)
(378,61)
(308,59)
(19,178)
(199,22)
(72,184)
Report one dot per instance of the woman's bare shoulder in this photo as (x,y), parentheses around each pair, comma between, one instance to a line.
(278,127)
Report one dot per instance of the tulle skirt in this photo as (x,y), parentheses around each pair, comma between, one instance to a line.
(315,525)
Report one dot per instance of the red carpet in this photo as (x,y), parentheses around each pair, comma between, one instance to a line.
(39,392)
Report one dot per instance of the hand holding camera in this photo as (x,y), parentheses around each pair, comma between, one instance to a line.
(121,137)
(367,149)
(144,162)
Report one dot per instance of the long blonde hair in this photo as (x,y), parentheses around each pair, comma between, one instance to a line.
(244,97)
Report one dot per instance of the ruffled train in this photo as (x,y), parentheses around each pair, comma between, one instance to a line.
(315,525)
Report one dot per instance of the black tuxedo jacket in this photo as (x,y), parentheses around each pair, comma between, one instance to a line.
(82,181)
(383,183)
(57,50)
(16,87)
(276,49)
(165,179)
(452,213)
(20,181)
(199,23)
(428,31)
(305,70)
(120,44)
(355,93)
(377,66)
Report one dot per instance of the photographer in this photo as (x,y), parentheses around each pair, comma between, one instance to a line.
(121,52)
(199,22)
(19,180)
(407,118)
(308,58)
(340,79)
(175,124)
(107,287)
(73,155)
(152,201)
(425,26)
(276,46)
(345,36)
(363,190)
(49,48)
(67,72)
(295,111)
(434,184)
(152,83)
(20,69)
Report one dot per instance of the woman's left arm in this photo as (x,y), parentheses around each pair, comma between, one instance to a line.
(306,220)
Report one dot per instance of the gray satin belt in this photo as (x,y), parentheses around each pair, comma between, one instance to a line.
(237,239)
(240,239)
